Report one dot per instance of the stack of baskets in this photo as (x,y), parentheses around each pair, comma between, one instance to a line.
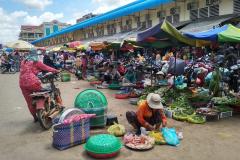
(92,101)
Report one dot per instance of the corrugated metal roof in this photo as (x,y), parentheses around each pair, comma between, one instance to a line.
(131,8)
(205,24)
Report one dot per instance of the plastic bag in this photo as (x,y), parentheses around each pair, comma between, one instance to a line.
(116,129)
(170,136)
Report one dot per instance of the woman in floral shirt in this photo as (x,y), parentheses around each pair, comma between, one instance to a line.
(28,80)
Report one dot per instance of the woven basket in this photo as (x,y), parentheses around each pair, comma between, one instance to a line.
(66,136)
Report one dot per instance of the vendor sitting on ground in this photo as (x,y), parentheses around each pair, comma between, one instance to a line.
(130,76)
(111,75)
(149,115)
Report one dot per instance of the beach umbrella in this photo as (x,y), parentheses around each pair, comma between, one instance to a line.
(20,45)
(74,44)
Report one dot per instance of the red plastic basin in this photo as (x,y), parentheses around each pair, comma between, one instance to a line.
(102,156)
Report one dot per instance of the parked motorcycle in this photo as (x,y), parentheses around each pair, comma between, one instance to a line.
(41,76)
(234,78)
(12,68)
(48,102)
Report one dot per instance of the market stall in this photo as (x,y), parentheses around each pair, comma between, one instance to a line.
(226,33)
(20,45)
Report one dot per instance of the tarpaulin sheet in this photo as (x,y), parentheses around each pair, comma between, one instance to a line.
(164,33)
(226,33)
(232,34)
(211,35)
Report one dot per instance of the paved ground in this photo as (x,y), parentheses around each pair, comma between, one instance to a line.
(21,139)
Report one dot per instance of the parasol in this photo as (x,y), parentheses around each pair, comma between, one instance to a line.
(20,45)
(74,44)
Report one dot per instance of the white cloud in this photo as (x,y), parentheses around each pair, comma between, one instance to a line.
(45,17)
(39,4)
(11,22)
(107,5)
(77,15)
(103,6)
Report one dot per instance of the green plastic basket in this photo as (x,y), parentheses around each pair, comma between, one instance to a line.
(103,144)
(100,120)
(65,77)
(92,101)
(114,86)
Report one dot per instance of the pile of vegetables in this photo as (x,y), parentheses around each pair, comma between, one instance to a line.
(226,101)
(180,116)
(182,103)
(148,90)
(220,100)
(196,119)
(223,108)
(170,94)
(141,99)
(161,91)
(158,137)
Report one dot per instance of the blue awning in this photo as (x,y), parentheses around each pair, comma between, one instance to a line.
(211,35)
(131,8)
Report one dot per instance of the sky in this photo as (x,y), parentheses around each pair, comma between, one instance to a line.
(14,13)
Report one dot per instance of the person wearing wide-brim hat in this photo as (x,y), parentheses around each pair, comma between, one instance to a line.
(149,115)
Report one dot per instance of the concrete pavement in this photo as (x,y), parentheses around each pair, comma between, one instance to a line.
(21,139)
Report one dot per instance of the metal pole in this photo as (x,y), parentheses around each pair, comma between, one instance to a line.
(175,69)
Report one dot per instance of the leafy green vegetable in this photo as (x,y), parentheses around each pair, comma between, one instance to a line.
(178,115)
(196,119)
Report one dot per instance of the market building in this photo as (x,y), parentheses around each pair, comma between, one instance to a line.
(187,15)
(85,17)
(31,33)
(52,27)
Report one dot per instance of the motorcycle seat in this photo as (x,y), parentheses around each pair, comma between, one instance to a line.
(42,92)
(46,90)
(39,94)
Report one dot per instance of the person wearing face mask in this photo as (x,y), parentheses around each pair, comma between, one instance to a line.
(28,79)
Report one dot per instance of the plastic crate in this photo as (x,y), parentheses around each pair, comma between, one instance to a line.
(226,114)
(212,118)
(168,113)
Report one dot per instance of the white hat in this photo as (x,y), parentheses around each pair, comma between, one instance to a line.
(160,73)
(154,101)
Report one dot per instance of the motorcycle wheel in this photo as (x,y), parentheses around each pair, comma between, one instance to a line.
(43,119)
(13,70)
(3,70)
(230,60)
